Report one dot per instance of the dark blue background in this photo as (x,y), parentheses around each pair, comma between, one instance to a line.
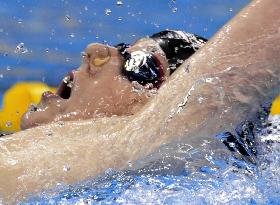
(56,32)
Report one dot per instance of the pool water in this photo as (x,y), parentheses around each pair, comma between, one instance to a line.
(43,40)
(54,33)
(208,174)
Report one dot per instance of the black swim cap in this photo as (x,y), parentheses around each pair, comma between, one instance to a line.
(178,46)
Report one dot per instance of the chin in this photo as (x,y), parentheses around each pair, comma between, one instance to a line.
(32,119)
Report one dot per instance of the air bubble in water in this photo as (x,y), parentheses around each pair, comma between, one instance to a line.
(174,10)
(72,35)
(108,12)
(1,75)
(119,18)
(230,9)
(119,3)
(21,48)
(9,124)
(47,50)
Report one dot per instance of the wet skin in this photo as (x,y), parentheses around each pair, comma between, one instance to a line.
(96,89)
(242,59)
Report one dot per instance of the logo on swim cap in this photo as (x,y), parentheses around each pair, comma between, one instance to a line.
(137,60)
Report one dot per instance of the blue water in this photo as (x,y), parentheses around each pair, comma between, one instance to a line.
(55,32)
(203,175)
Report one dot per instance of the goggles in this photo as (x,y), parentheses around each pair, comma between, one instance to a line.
(141,67)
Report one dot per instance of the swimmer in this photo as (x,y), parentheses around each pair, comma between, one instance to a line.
(114,80)
(218,87)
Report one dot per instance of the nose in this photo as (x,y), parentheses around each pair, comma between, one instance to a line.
(98,54)
(91,48)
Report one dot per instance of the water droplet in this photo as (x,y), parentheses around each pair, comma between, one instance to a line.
(20,48)
(32,108)
(67,59)
(19,21)
(200,99)
(70,84)
(86,8)
(180,61)
(60,123)
(230,9)
(9,124)
(72,35)
(83,54)
(12,161)
(108,12)
(49,133)
(66,79)
(157,25)
(174,10)
(119,3)
(119,18)
(1,75)
(66,168)
(67,17)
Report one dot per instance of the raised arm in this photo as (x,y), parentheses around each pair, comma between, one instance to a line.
(220,86)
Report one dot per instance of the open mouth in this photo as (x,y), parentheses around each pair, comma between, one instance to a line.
(65,88)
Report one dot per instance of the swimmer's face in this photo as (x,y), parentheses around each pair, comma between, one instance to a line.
(96,89)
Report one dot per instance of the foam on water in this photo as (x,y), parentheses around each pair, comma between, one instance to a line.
(216,178)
